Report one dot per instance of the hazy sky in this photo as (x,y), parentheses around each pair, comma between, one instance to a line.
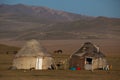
(108,8)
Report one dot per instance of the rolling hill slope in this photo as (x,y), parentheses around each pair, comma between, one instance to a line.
(22,22)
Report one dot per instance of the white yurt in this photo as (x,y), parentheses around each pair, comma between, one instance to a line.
(33,56)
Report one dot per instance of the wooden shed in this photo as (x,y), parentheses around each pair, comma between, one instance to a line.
(88,57)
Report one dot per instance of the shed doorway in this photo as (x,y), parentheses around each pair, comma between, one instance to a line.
(88,63)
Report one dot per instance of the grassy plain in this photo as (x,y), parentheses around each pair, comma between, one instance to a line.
(109,48)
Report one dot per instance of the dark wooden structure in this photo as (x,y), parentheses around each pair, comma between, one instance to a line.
(88,57)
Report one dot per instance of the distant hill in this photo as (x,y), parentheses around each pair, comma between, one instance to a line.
(41,13)
(98,28)
(7,49)
(22,22)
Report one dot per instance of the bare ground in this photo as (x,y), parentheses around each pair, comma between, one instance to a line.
(109,47)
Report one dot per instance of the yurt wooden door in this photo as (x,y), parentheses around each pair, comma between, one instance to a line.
(39,63)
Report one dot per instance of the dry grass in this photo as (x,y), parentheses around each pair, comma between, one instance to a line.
(6,61)
(5,74)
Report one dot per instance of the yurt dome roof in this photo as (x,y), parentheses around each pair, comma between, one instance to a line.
(32,48)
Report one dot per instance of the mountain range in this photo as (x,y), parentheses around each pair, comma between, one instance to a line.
(22,22)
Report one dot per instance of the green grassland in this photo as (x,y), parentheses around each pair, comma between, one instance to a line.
(6,74)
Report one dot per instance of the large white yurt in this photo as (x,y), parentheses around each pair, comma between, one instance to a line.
(33,56)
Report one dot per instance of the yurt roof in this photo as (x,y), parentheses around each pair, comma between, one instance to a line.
(32,48)
(89,49)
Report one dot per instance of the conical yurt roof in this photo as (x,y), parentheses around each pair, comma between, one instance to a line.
(32,48)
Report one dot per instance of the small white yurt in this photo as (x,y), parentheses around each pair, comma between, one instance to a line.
(33,56)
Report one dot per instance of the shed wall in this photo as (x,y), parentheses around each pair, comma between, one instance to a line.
(77,61)
(99,63)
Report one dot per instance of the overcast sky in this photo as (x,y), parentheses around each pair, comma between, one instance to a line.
(108,8)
